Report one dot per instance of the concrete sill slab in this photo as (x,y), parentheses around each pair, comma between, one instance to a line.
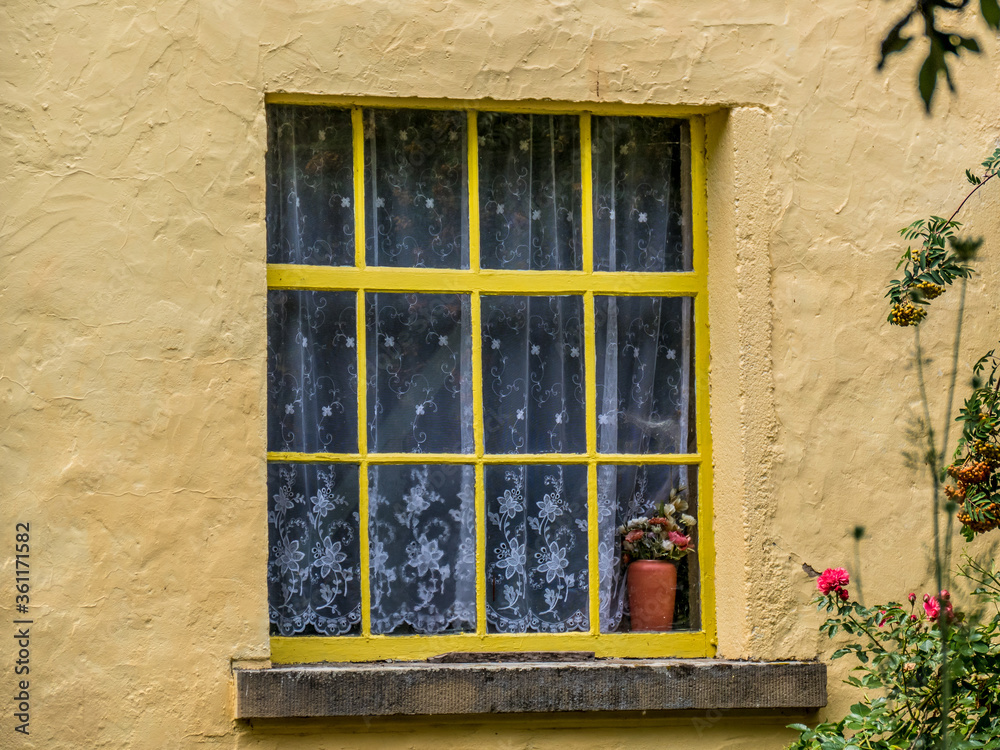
(422,688)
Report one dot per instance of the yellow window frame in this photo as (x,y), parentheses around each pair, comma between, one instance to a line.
(476,282)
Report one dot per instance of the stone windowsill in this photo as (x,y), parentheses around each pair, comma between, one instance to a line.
(424,688)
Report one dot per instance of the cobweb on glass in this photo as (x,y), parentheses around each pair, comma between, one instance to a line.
(645,385)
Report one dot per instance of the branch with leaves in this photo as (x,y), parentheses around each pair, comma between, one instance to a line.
(941,258)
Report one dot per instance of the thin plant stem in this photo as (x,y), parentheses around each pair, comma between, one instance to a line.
(932,451)
(944,566)
(933,462)
(972,192)
(857,565)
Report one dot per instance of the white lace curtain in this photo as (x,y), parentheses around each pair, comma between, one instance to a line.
(419,367)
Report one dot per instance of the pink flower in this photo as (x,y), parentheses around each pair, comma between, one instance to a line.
(832,579)
(912,598)
(634,535)
(680,541)
(843,594)
(882,619)
(945,595)
(931,607)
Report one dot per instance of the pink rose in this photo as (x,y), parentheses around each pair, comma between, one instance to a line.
(843,594)
(832,580)
(931,607)
(680,541)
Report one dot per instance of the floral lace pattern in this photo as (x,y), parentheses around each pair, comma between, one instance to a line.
(419,373)
(640,194)
(314,569)
(529,191)
(533,374)
(312,371)
(415,189)
(310,186)
(423,549)
(536,541)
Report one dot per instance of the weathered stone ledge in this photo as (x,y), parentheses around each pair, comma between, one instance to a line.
(420,688)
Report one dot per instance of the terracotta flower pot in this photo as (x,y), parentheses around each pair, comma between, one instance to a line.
(652,588)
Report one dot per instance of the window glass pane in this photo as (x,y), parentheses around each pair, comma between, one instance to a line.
(536,549)
(416,188)
(422,529)
(313,567)
(533,375)
(628,492)
(312,372)
(645,384)
(310,186)
(642,191)
(529,191)
(419,360)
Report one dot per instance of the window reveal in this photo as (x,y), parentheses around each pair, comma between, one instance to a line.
(515,407)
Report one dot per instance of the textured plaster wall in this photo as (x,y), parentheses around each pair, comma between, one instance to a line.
(132,323)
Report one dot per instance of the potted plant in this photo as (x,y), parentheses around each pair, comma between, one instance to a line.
(651,548)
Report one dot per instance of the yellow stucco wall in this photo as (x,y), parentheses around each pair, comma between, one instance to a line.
(133,332)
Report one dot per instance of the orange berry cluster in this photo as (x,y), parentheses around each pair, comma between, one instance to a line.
(955,493)
(906,314)
(983,526)
(975,471)
(971,472)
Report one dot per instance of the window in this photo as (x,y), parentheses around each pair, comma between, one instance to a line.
(487,349)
